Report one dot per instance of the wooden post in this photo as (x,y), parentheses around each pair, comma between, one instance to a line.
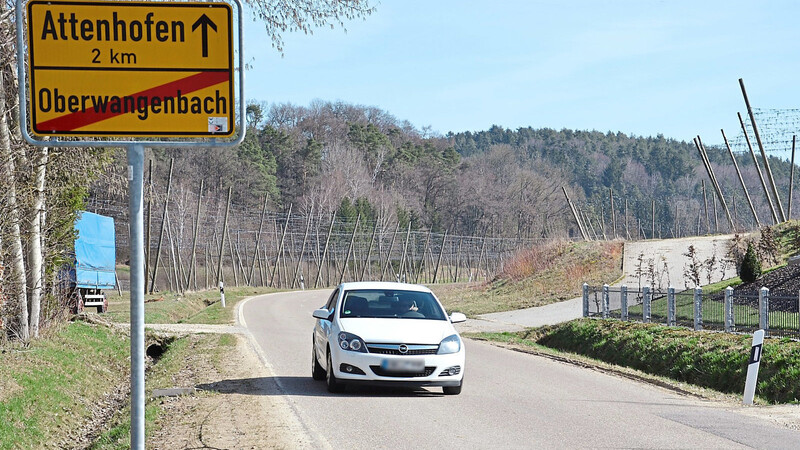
(603,221)
(222,239)
(741,180)
(705,201)
(258,237)
(325,251)
(422,259)
(791,181)
(280,247)
(716,219)
(575,215)
(207,265)
(193,262)
(715,184)
(439,259)
(627,231)
(303,247)
(758,169)
(458,259)
(173,259)
(317,251)
(163,224)
(285,271)
(653,236)
(369,251)
(148,224)
(349,249)
(591,226)
(613,216)
(480,254)
(389,253)
(275,267)
(242,261)
(257,256)
(233,259)
(763,153)
(402,267)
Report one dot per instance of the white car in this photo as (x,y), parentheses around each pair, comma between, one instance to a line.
(387,334)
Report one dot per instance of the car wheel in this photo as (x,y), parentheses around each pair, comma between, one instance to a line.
(334,385)
(453,390)
(317,372)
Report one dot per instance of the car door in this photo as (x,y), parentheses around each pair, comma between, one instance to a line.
(322,329)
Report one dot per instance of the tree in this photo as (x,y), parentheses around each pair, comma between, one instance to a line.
(751,265)
(281,16)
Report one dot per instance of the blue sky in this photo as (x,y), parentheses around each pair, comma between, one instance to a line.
(641,67)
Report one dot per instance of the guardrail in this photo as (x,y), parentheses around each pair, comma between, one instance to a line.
(724,311)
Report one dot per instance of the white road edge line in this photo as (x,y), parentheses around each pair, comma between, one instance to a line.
(317,439)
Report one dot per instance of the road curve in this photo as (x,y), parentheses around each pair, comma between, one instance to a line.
(510,400)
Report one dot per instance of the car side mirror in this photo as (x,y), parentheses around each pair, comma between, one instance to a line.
(322,313)
(457,317)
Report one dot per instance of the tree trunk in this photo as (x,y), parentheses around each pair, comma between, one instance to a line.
(17,276)
(35,256)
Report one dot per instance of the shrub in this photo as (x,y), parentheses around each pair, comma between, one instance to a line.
(713,360)
(751,265)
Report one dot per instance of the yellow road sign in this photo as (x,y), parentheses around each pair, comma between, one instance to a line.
(160,69)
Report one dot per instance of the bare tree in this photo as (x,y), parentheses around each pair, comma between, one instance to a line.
(281,16)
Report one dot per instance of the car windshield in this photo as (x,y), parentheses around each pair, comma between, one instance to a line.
(379,303)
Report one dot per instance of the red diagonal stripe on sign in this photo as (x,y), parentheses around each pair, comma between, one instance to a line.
(73,121)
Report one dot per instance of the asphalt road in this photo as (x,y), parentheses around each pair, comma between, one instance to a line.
(510,400)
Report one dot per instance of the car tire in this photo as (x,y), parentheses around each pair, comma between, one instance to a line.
(334,385)
(317,372)
(453,390)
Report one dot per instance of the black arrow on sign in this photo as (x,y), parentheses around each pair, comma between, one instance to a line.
(205,22)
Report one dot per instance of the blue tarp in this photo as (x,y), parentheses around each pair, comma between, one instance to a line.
(95,251)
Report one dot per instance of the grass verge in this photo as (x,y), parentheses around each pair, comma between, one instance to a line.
(50,390)
(194,307)
(716,361)
(538,276)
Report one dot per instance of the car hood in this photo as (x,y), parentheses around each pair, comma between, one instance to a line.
(398,331)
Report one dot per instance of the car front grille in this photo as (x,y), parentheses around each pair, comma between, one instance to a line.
(383,373)
(394,349)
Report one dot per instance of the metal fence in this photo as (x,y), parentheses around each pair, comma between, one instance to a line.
(724,311)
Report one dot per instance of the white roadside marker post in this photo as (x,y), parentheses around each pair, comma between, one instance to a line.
(222,293)
(752,367)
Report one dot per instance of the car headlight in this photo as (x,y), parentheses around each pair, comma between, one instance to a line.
(351,342)
(450,344)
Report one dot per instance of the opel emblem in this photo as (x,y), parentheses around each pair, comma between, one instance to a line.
(403,349)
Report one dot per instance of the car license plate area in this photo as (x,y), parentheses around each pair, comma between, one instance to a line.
(403,365)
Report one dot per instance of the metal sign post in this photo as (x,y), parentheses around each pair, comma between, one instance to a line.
(133,71)
(135,191)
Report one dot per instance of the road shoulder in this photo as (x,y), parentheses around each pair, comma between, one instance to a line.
(234,405)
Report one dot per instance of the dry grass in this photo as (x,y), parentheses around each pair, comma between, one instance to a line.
(537,276)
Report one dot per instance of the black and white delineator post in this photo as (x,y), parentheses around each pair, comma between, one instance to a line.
(222,293)
(752,367)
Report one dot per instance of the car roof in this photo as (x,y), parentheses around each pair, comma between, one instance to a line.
(385,285)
